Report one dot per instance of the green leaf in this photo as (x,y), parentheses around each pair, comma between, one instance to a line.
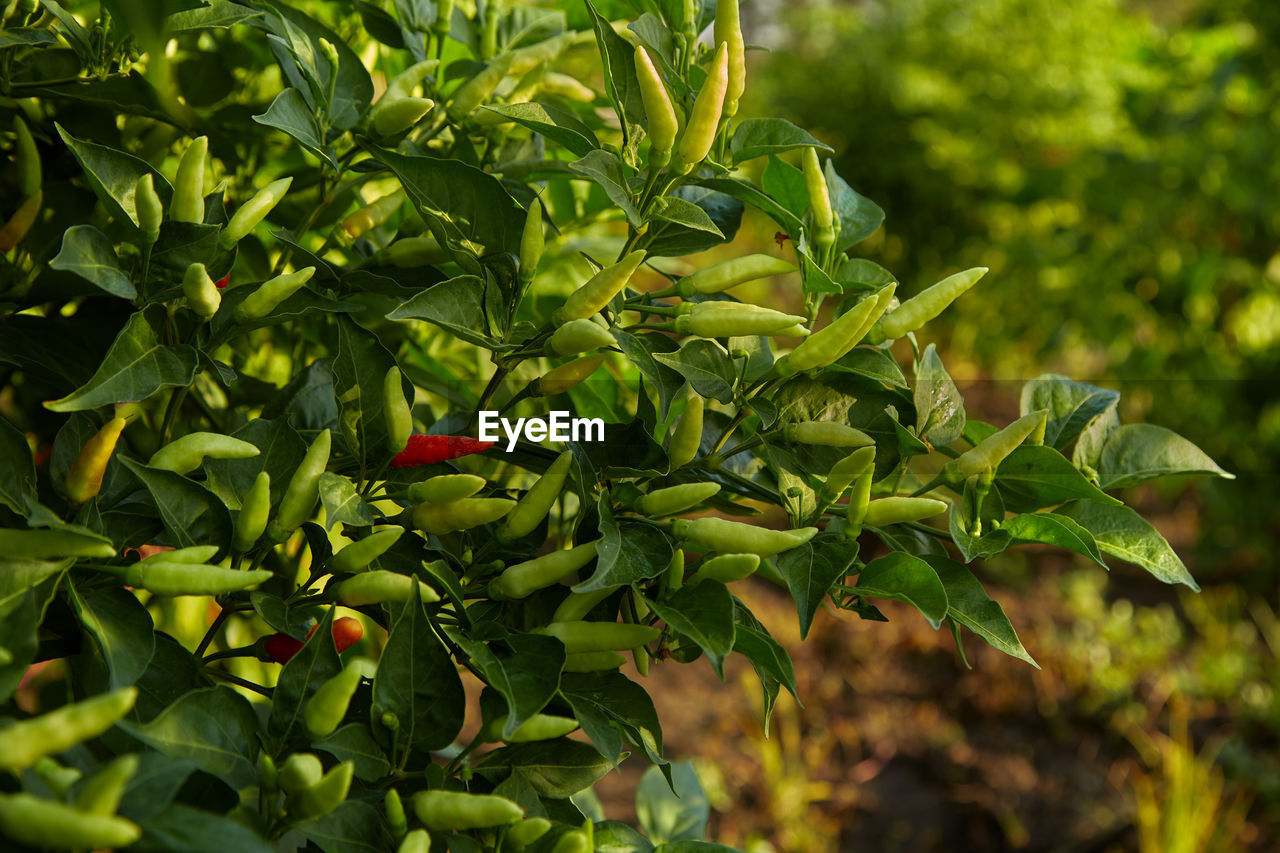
(214,727)
(219,14)
(696,219)
(191,514)
(767,656)
(1124,534)
(703,612)
(17,36)
(939,406)
(1072,406)
(640,349)
(191,830)
(524,668)
(1034,477)
(26,588)
(628,553)
(812,570)
(748,193)
(456,305)
(136,366)
(620,81)
(354,826)
(281,450)
(756,137)
(360,364)
(353,89)
(902,577)
(608,172)
(301,676)
(612,836)
(609,707)
(119,627)
(88,253)
(554,123)
(785,185)
(342,504)
(1053,529)
(860,217)
(970,606)
(289,112)
(418,683)
(706,365)
(17,469)
(1136,452)
(672,812)
(353,742)
(875,364)
(113,176)
(556,769)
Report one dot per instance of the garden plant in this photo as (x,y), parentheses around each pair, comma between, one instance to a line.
(272,272)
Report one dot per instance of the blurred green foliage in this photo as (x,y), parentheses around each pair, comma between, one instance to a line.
(1115,171)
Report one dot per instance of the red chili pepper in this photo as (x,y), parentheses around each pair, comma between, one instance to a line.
(430,449)
(281,647)
(222,283)
(347,631)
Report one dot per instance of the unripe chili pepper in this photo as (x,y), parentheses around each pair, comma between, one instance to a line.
(203,296)
(640,656)
(819,194)
(567,376)
(412,252)
(186,454)
(394,117)
(194,555)
(728,31)
(555,83)
(599,290)
(686,439)
(268,776)
(731,273)
(396,411)
(896,510)
(464,514)
(675,572)
(21,221)
(837,338)
(531,242)
(253,211)
(418,841)
(41,544)
(477,90)
(592,661)
(169,578)
(734,537)
(304,488)
(430,449)
(599,636)
(84,479)
(731,319)
(150,210)
(675,499)
(704,118)
(30,179)
(188,184)
(844,472)
(578,336)
(328,705)
(446,488)
(102,793)
(523,579)
(992,450)
(444,18)
(574,841)
(577,605)
(362,221)
(393,808)
(924,306)
(827,433)
(23,743)
(404,84)
(301,771)
(325,795)
(727,568)
(537,727)
(527,831)
(380,586)
(59,779)
(662,124)
(255,511)
(446,810)
(359,555)
(528,58)
(271,293)
(534,505)
(43,824)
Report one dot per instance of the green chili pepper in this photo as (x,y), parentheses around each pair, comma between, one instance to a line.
(731,273)
(522,579)
(444,18)
(464,514)
(599,636)
(188,185)
(599,290)
(253,211)
(827,433)
(531,242)
(819,195)
(837,338)
(418,841)
(704,119)
(675,572)
(328,705)
(404,84)
(390,118)
(733,537)
(844,472)
(102,793)
(84,479)
(446,488)
(416,252)
(254,513)
(176,578)
(527,831)
(727,568)
(537,727)
(59,779)
(686,439)
(362,221)
(150,210)
(592,661)
(30,178)
(555,83)
(379,586)
(577,605)
(304,488)
(567,376)
(471,94)
(728,31)
(924,306)
(22,743)
(661,122)
(537,502)
(732,319)
(896,510)
(42,824)
(991,451)
(21,221)
(194,555)
(268,776)
(578,336)
(203,296)
(393,808)
(446,810)
(528,58)
(271,293)
(359,555)
(325,795)
(396,412)
(674,500)
(301,771)
(859,501)
(186,454)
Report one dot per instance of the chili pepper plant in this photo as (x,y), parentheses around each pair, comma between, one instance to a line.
(266,269)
